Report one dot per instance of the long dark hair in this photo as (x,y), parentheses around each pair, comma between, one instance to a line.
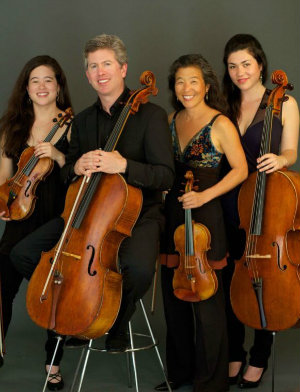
(17,120)
(231,92)
(214,96)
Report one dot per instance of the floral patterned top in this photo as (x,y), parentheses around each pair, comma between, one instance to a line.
(200,151)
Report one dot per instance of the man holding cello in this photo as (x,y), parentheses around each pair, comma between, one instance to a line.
(143,155)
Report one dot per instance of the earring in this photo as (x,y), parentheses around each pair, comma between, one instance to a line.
(206,96)
(57,96)
(29,100)
(261,78)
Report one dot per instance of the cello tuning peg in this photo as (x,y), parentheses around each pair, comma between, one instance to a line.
(289,86)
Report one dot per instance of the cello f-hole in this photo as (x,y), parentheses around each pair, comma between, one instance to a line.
(284,267)
(91,261)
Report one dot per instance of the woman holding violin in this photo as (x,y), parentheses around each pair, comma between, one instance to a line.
(245,74)
(39,96)
(202,136)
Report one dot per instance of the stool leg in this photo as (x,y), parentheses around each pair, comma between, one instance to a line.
(133,357)
(155,343)
(129,369)
(84,354)
(273,362)
(59,339)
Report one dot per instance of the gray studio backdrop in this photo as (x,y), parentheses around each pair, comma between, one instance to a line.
(155,32)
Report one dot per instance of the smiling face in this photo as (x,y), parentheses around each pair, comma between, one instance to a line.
(42,86)
(244,70)
(190,87)
(105,74)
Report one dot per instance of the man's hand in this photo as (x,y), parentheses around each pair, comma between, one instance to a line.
(100,161)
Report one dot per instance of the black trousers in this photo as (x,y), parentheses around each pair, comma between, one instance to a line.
(196,338)
(25,256)
(261,349)
(137,256)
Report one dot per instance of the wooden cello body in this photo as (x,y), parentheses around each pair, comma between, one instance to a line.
(87,268)
(76,288)
(194,280)
(265,288)
(17,194)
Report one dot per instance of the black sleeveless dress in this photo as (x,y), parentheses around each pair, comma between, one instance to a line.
(261,350)
(201,157)
(196,342)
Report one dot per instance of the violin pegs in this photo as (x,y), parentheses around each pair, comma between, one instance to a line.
(55,120)
(60,115)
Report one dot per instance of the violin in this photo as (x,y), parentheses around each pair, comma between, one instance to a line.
(194,280)
(17,194)
(76,287)
(265,288)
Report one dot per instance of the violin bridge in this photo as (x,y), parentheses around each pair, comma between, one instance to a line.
(71,255)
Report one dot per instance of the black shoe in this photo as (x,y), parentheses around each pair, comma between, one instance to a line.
(1,361)
(117,343)
(75,342)
(163,386)
(246,384)
(55,386)
(234,379)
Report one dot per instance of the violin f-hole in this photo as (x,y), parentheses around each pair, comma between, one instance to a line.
(27,188)
(91,261)
(284,267)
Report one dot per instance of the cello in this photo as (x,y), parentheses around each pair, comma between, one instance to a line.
(76,288)
(265,287)
(194,280)
(17,194)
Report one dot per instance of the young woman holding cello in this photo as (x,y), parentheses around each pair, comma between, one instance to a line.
(245,74)
(201,135)
(39,96)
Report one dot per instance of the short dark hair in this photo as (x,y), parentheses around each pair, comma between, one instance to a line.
(214,95)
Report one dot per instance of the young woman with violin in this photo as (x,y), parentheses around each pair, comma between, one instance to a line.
(202,136)
(39,96)
(245,74)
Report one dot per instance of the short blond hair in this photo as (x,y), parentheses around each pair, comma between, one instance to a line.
(106,41)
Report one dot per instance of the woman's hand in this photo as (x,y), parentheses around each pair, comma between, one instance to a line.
(271,163)
(47,150)
(193,199)
(3,218)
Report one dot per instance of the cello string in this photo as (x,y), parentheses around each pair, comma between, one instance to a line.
(265,148)
(257,204)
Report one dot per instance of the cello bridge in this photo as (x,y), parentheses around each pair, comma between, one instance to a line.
(71,255)
(257,256)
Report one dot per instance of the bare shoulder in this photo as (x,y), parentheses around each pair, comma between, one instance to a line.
(170,117)
(290,111)
(290,104)
(222,124)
